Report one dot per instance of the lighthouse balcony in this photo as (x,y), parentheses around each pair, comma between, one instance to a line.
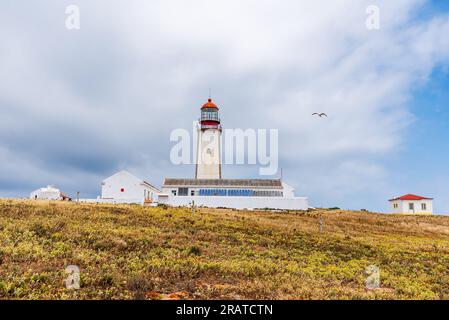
(210,117)
(210,126)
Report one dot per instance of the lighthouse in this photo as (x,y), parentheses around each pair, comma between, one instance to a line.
(209,189)
(208,164)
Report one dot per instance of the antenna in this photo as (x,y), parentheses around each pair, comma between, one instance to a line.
(210,93)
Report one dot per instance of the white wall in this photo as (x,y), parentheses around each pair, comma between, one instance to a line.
(208,163)
(288,190)
(133,188)
(113,201)
(403,207)
(395,203)
(237,202)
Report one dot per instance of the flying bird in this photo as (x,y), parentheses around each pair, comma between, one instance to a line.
(319,114)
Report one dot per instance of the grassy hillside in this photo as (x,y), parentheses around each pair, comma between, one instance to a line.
(127,252)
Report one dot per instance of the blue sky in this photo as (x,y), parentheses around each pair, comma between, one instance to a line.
(422,164)
(77,106)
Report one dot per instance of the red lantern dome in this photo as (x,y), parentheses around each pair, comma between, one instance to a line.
(209,104)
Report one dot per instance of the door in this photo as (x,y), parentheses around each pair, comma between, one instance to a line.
(411,207)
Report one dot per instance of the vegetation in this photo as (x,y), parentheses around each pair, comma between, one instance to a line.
(133,252)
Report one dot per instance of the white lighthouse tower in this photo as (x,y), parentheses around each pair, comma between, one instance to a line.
(208,165)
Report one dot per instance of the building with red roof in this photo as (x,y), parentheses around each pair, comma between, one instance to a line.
(412,204)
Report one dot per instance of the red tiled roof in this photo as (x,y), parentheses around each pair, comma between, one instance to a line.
(411,197)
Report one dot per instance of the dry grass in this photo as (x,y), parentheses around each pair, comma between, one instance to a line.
(130,252)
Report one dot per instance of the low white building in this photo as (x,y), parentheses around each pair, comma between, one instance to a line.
(412,204)
(123,187)
(231,193)
(47,193)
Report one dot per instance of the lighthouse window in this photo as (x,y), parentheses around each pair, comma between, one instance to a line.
(209,115)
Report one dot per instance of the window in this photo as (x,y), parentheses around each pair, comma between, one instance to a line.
(411,206)
(209,115)
(266,193)
(423,206)
(183,192)
(213,192)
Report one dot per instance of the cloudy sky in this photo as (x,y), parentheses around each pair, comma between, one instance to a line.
(78,105)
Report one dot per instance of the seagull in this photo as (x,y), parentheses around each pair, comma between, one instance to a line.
(319,114)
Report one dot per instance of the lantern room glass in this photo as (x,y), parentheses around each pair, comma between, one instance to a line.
(209,114)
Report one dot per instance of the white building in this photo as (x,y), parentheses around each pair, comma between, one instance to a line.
(123,187)
(47,193)
(231,193)
(412,204)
